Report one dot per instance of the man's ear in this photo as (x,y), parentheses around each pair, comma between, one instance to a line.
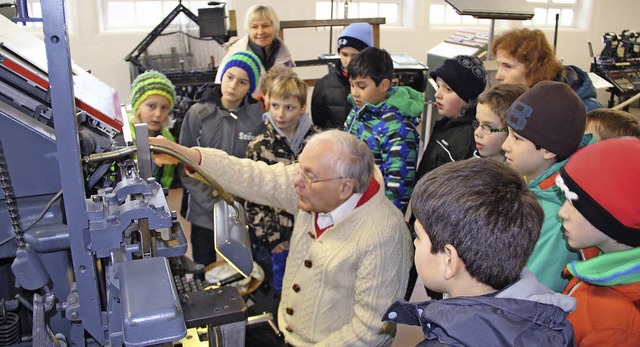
(548,155)
(453,263)
(346,187)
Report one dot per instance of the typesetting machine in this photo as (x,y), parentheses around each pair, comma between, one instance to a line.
(619,63)
(85,230)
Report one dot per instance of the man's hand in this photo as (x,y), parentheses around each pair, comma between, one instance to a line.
(162,159)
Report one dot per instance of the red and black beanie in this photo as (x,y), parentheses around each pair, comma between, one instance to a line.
(605,178)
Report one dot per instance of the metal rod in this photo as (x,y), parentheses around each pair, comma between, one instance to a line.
(555,33)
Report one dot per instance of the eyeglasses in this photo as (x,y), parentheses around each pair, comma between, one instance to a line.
(308,181)
(487,130)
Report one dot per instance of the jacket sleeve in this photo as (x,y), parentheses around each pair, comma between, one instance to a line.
(464,148)
(199,191)
(317,111)
(399,152)
(270,185)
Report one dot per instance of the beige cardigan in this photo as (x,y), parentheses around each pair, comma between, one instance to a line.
(336,287)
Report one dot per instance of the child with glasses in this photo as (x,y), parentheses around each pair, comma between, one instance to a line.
(490,125)
(287,129)
(460,80)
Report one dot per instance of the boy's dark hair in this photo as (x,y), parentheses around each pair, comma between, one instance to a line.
(610,123)
(500,98)
(371,62)
(485,210)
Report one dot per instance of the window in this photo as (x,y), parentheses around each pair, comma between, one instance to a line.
(441,13)
(142,14)
(389,9)
(546,10)
(34,9)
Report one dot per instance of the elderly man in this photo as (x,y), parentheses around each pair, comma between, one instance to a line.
(350,251)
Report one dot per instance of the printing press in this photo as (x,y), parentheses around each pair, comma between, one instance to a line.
(86,234)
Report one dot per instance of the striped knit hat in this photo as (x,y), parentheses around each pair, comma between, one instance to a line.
(149,83)
(248,62)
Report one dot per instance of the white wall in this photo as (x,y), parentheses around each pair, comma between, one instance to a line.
(103,53)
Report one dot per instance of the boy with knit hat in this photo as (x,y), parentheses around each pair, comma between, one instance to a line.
(228,118)
(546,125)
(602,210)
(152,99)
(385,117)
(460,81)
(329,104)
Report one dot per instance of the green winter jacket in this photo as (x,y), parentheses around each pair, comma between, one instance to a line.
(163,174)
(551,252)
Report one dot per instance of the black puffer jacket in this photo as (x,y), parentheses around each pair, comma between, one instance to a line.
(329,104)
(451,140)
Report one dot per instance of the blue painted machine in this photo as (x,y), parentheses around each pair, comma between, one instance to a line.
(83,247)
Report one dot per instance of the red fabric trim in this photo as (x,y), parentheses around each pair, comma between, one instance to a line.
(573,281)
(589,253)
(318,230)
(369,193)
(548,182)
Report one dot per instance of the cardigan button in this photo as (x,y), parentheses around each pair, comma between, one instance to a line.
(308,263)
(288,328)
(312,235)
(289,311)
(296,288)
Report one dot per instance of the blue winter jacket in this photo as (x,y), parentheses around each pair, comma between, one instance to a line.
(389,129)
(525,313)
(580,82)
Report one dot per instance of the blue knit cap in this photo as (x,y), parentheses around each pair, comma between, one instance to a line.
(250,63)
(356,35)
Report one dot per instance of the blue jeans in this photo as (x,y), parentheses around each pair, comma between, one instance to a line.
(279,262)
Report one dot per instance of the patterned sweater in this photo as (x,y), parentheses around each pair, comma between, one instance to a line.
(336,286)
